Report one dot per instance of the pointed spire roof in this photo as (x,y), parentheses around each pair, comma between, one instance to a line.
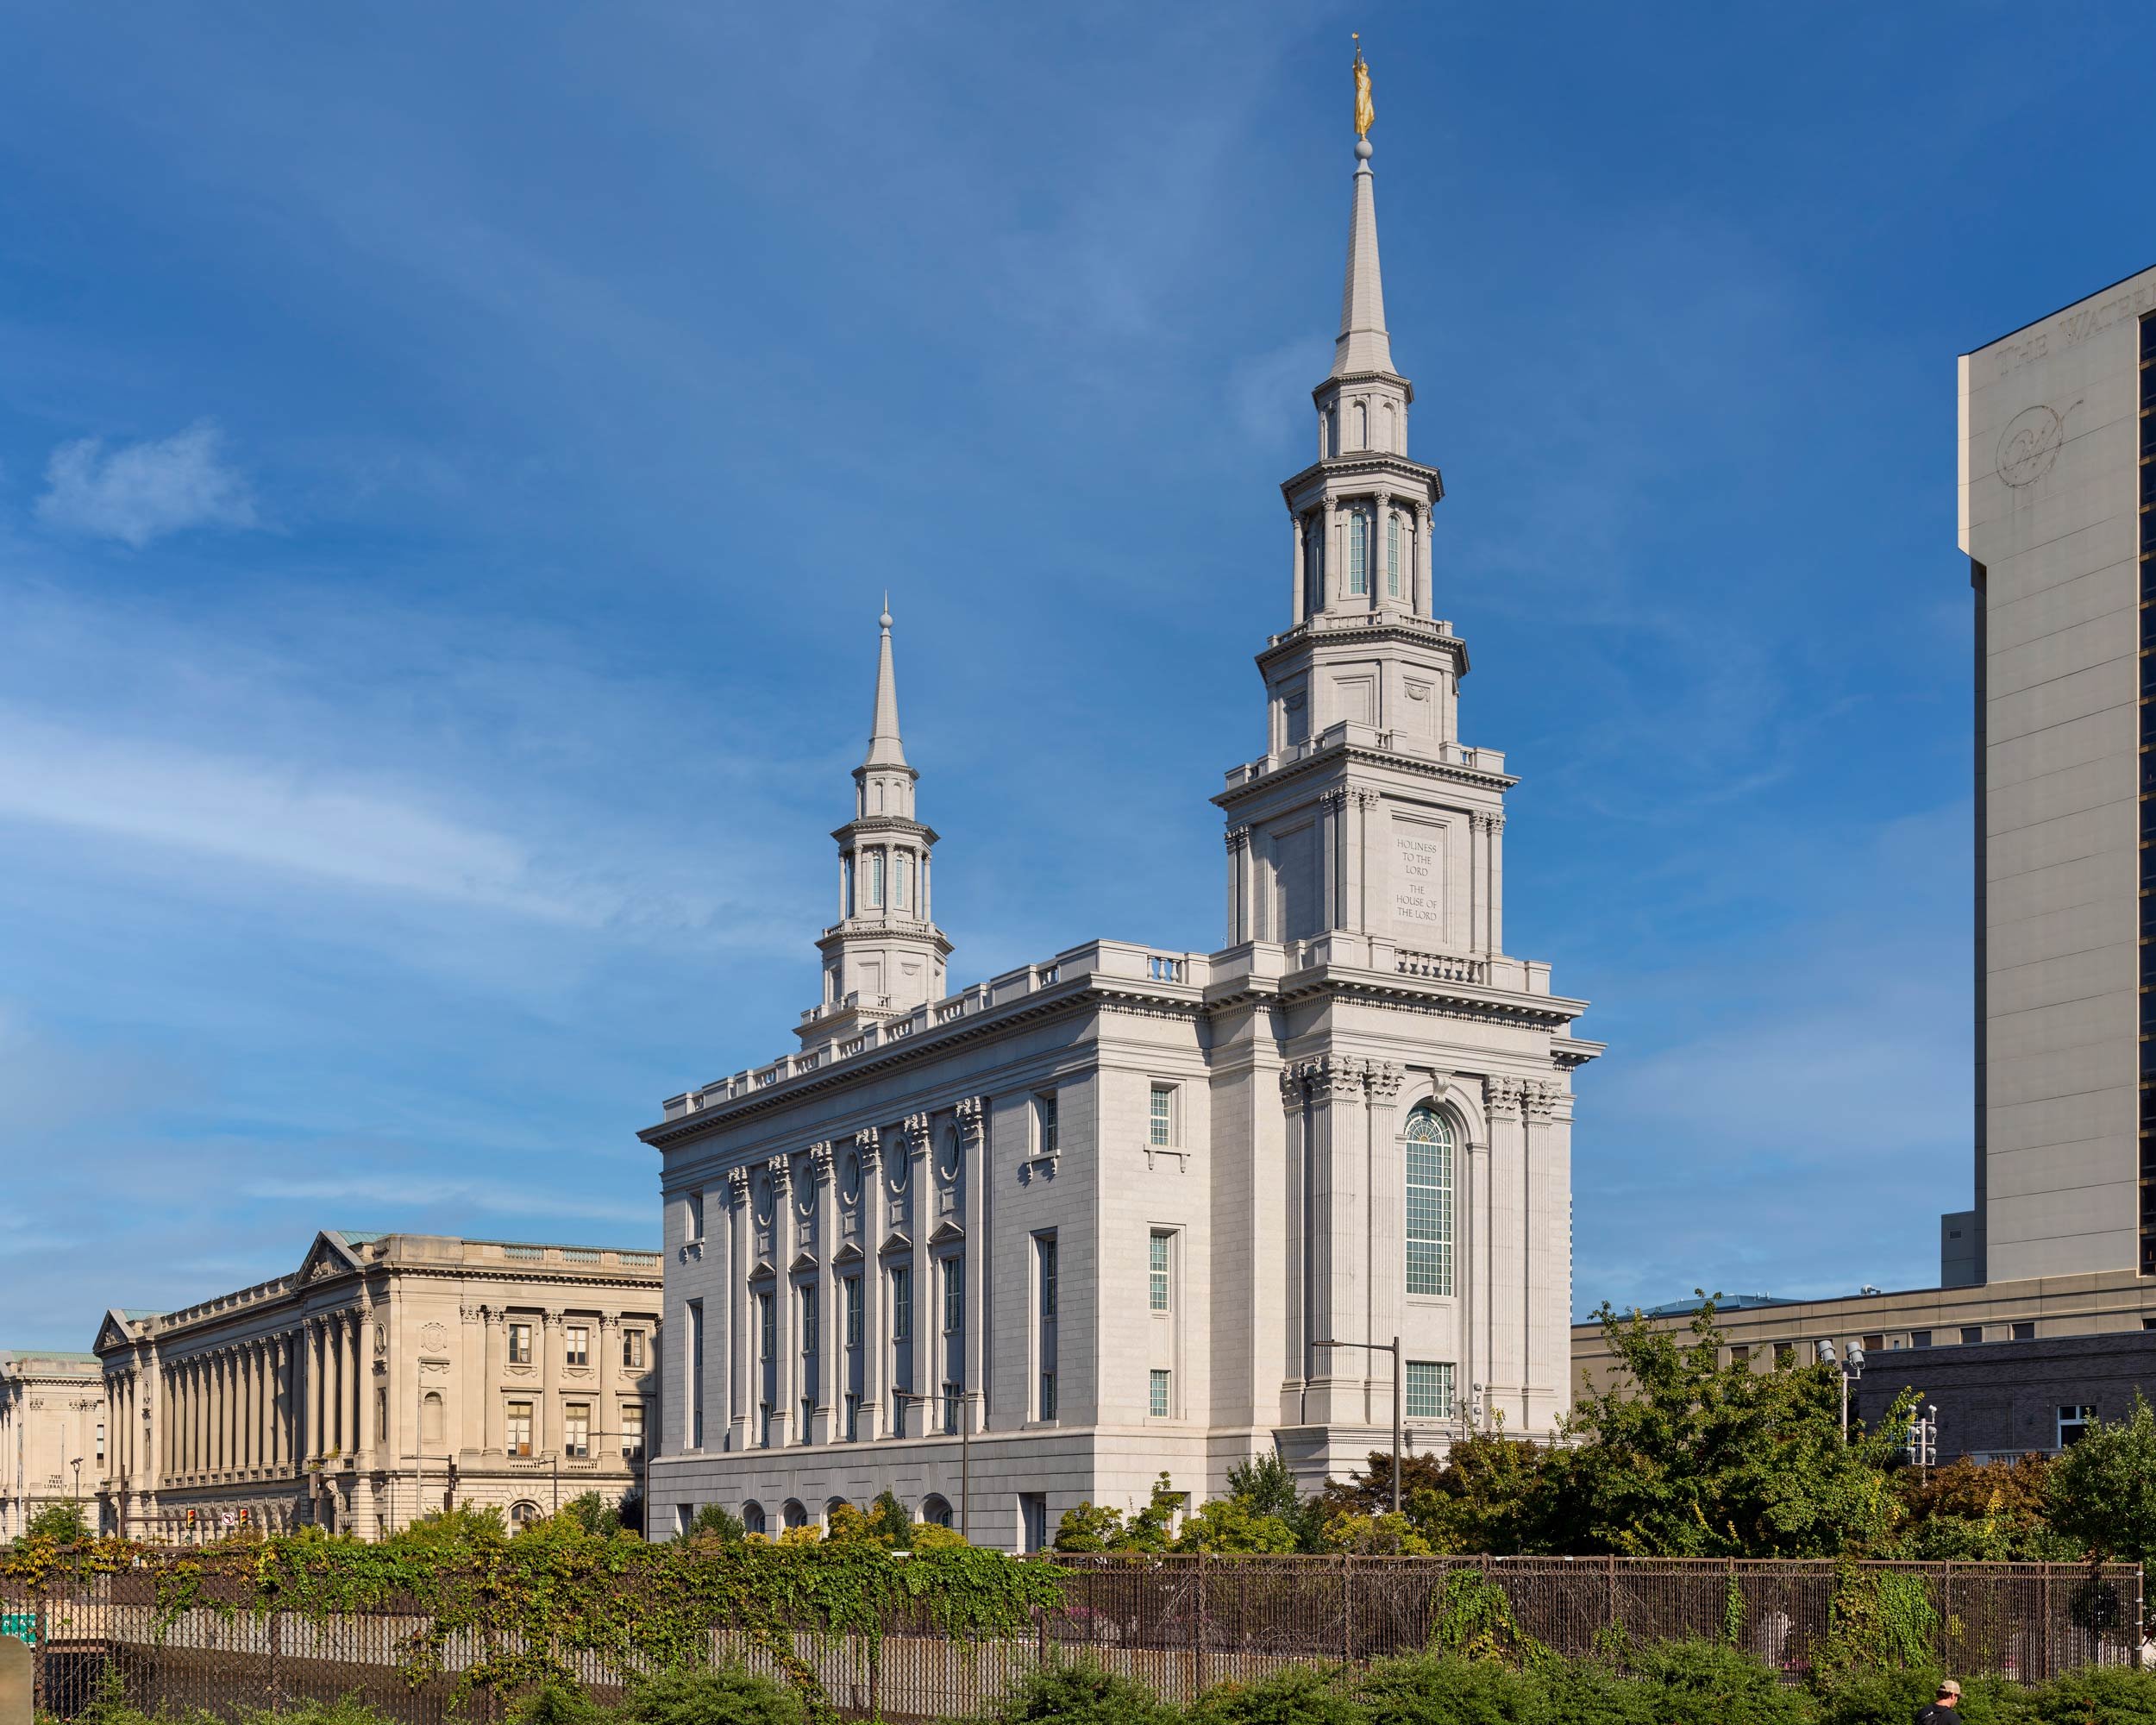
(884,747)
(1363,346)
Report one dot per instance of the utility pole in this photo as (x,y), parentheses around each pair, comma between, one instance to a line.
(965,1398)
(1391,1347)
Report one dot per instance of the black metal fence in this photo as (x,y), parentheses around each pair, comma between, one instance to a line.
(1178,1623)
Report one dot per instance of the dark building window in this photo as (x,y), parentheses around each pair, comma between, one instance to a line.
(2025,1332)
(1972,1333)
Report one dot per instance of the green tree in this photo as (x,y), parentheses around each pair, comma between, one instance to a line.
(2102,1491)
(893,1526)
(62,1522)
(596,1514)
(1980,1512)
(1230,1524)
(1683,1456)
(716,1521)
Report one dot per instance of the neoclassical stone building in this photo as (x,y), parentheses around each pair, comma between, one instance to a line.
(52,1433)
(1119,1211)
(388,1376)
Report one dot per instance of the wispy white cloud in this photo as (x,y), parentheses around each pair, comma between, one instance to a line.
(141,491)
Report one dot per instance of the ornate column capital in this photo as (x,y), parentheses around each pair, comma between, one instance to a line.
(1237,838)
(1384,1079)
(551,1316)
(1365,796)
(819,1157)
(1334,800)
(1333,1077)
(868,1146)
(1505,1095)
(1291,1096)
(737,1188)
(1543,1096)
(973,1119)
(780,1171)
(917,1134)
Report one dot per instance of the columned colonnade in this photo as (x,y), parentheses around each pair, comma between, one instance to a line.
(268,1402)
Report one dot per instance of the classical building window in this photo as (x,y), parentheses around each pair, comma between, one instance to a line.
(853,1417)
(763,1424)
(1159,1394)
(954,1294)
(1313,560)
(632,1349)
(1430,1144)
(935,1511)
(1159,1264)
(875,880)
(1044,1125)
(1358,555)
(2074,1423)
(696,1374)
(767,1327)
(954,1394)
(576,1430)
(794,1513)
(1429,1388)
(520,1344)
(901,1304)
(519,1433)
(523,1513)
(577,1346)
(381,1422)
(1160,1125)
(632,1431)
(808,1421)
(1362,425)
(850,1301)
(693,1228)
(752,1518)
(101,1440)
(1044,1339)
(1392,554)
(808,1323)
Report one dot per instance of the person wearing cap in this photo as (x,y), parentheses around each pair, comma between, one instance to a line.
(1946,1708)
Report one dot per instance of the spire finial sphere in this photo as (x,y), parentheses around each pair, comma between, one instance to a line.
(885,618)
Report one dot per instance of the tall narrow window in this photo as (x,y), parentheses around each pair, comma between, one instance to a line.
(953,1295)
(1362,425)
(1429,1388)
(632,1431)
(632,1349)
(1313,570)
(901,1304)
(849,1297)
(1159,1259)
(519,1432)
(807,1434)
(905,880)
(696,1374)
(1392,554)
(853,1417)
(1045,1279)
(1159,1392)
(1359,553)
(577,1345)
(1161,1115)
(1429,1203)
(576,1430)
(767,1327)
(808,1322)
(875,880)
(954,1396)
(694,1228)
(520,1344)
(1045,1124)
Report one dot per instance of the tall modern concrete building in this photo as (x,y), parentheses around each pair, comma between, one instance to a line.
(2056,487)
(1127,1211)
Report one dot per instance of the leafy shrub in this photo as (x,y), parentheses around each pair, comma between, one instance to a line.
(715,1520)
(727,1695)
(1706,1683)
(557,1703)
(1895,1698)
(63,1523)
(1430,1689)
(1298,1695)
(1080,1694)
(2111,1694)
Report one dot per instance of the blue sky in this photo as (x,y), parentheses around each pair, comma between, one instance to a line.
(451,459)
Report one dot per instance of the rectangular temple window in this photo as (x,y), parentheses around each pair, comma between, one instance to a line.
(1359,553)
(632,1431)
(849,1297)
(1429,1386)
(905,880)
(1045,1269)
(809,1333)
(1159,1392)
(576,1430)
(520,1344)
(767,1327)
(1392,555)
(1044,1125)
(853,1417)
(1159,1116)
(1159,1261)
(953,1295)
(875,880)
(632,1349)
(578,1346)
(901,1304)
(519,1436)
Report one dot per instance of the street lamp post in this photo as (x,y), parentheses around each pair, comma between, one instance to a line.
(1391,1347)
(1847,1369)
(965,1449)
(77,1465)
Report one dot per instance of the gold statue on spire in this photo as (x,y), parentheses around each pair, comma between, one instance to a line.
(1365,115)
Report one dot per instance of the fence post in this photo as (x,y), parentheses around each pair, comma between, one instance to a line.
(1198,1629)
(40,1668)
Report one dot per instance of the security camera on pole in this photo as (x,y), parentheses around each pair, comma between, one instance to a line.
(1850,1368)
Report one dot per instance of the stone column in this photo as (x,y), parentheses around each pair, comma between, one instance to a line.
(1386,1183)
(546,1432)
(228,1394)
(831,1337)
(1548,1252)
(920,1150)
(737,1312)
(1506,1220)
(1496,884)
(1331,581)
(494,1326)
(1339,1224)
(972,1163)
(1295,570)
(1333,860)
(315,1357)
(606,1423)
(365,1429)
(868,1147)
(248,1411)
(786,1374)
(1381,568)
(1478,882)
(1426,600)
(1239,843)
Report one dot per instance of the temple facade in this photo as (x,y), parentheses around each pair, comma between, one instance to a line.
(1130,1211)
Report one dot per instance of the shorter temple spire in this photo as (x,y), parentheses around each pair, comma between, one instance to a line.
(884,747)
(1362,344)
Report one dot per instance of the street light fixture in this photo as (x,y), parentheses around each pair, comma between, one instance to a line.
(965,1448)
(1847,1369)
(1391,1347)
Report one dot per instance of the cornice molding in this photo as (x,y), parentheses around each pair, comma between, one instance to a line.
(1356,756)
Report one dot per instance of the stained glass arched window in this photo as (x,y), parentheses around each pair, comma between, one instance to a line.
(1430,1147)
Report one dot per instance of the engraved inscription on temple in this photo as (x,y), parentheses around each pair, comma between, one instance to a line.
(1419,878)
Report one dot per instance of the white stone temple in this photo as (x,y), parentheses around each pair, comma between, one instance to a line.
(1050,1236)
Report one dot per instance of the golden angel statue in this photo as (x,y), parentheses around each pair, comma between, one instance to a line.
(1364,113)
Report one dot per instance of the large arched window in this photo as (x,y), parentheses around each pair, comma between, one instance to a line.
(1359,553)
(1430,1146)
(795,1514)
(752,1520)
(524,1512)
(935,1510)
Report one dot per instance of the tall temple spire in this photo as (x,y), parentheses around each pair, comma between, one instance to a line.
(884,747)
(1362,344)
